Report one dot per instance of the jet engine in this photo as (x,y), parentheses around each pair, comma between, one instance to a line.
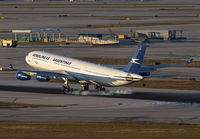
(42,78)
(23,76)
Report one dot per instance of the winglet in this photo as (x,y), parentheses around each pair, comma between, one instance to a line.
(189,61)
(8,69)
(11,67)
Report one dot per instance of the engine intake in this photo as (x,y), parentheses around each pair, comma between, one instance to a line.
(23,76)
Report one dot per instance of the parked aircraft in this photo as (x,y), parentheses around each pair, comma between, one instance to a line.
(51,66)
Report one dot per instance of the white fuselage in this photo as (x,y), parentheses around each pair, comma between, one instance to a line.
(82,71)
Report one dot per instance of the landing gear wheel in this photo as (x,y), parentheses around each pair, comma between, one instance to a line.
(100,88)
(67,89)
(96,87)
(85,87)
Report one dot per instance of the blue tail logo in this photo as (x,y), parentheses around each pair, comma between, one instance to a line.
(136,61)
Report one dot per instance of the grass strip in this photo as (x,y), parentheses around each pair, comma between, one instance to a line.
(146,62)
(98,5)
(42,43)
(135,24)
(179,85)
(85,130)
(18,105)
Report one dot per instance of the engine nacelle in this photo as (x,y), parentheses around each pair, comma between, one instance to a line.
(23,76)
(42,78)
(145,73)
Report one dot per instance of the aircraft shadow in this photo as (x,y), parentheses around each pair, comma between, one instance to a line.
(30,89)
(172,97)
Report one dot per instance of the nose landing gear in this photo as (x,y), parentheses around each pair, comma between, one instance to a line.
(66,88)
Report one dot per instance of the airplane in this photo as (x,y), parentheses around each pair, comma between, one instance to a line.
(50,66)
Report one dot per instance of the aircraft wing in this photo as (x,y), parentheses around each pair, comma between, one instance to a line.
(33,72)
(54,74)
(154,68)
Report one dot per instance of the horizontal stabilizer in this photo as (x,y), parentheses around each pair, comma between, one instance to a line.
(161,75)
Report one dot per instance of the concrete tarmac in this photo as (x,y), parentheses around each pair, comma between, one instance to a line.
(97,109)
(126,105)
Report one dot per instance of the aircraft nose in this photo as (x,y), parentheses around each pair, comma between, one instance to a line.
(27,59)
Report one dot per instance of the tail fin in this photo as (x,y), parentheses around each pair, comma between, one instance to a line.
(136,61)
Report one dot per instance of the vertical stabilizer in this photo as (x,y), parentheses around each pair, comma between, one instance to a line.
(136,61)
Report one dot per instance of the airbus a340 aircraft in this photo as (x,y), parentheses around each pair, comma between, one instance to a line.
(51,66)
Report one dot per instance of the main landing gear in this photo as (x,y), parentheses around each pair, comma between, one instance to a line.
(85,86)
(67,90)
(100,88)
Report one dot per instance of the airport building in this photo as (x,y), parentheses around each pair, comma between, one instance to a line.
(98,39)
(41,35)
(161,34)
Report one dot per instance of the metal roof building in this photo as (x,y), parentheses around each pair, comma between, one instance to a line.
(37,32)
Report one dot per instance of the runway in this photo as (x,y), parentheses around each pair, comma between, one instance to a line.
(139,104)
(129,93)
